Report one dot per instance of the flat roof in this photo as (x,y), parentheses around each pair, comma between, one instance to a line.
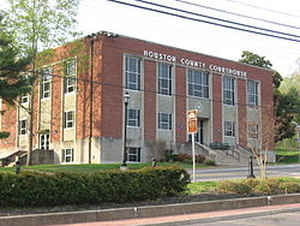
(112,34)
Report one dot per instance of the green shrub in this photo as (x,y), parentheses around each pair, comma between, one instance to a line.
(250,186)
(219,146)
(186,158)
(210,162)
(268,187)
(289,187)
(234,187)
(41,189)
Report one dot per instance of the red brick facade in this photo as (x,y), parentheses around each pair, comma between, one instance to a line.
(108,83)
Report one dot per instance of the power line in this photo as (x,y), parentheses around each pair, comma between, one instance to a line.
(237,14)
(265,9)
(218,19)
(204,21)
(93,82)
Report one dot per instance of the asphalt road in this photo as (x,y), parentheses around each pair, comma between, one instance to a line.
(242,172)
(282,219)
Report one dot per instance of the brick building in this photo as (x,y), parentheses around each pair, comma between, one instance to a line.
(79,105)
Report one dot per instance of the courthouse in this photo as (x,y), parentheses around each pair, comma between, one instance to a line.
(79,110)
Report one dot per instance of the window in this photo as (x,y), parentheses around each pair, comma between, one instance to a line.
(252,92)
(229,128)
(68,119)
(133,72)
(164,79)
(24,99)
(70,67)
(44,141)
(70,79)
(164,121)
(68,155)
(22,126)
(228,90)
(133,117)
(253,130)
(134,154)
(46,82)
(198,83)
(69,84)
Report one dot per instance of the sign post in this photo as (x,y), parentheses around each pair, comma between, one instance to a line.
(192,128)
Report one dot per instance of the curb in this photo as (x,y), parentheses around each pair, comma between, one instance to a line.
(146,211)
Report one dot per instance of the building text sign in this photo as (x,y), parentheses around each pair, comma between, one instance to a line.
(195,64)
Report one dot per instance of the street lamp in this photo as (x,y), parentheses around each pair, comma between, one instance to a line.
(250,167)
(126,100)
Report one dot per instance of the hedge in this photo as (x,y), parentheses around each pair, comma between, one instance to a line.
(271,186)
(33,189)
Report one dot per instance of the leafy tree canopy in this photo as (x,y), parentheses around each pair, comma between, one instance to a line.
(260,61)
(13,83)
(286,104)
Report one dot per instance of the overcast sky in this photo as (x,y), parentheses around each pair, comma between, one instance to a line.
(96,15)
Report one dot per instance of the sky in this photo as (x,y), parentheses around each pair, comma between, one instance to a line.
(98,15)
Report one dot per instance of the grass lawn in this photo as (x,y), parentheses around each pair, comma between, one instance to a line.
(199,187)
(88,168)
(287,157)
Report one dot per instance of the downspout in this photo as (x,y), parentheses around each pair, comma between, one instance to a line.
(91,96)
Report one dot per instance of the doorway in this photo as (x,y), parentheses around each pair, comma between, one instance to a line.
(199,136)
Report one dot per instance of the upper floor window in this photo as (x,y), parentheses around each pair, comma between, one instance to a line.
(252,92)
(164,79)
(24,99)
(253,130)
(22,126)
(69,84)
(229,128)
(164,121)
(133,72)
(198,83)
(68,119)
(133,117)
(70,67)
(228,90)
(46,82)
(70,76)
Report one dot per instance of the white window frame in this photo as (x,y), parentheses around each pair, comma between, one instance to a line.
(46,83)
(67,155)
(164,76)
(133,153)
(69,119)
(22,127)
(133,121)
(132,75)
(228,88)
(252,92)
(229,128)
(44,141)
(70,76)
(253,130)
(164,121)
(24,99)
(198,83)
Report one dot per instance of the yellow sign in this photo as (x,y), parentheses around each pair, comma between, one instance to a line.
(192,121)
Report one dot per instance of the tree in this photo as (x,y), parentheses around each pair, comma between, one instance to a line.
(13,83)
(284,114)
(39,25)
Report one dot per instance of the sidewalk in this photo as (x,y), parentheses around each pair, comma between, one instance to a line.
(200,217)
